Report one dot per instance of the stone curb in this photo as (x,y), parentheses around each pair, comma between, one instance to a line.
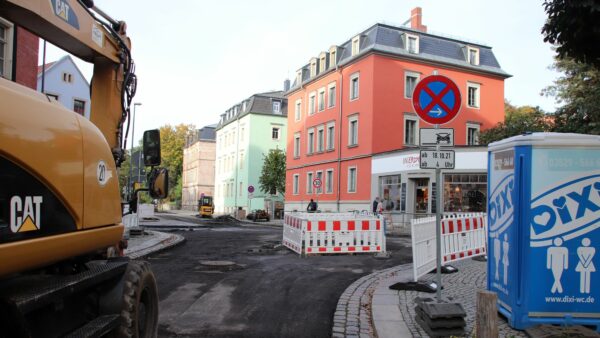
(170,242)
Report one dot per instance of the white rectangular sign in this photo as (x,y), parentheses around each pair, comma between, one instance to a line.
(432,159)
(433,137)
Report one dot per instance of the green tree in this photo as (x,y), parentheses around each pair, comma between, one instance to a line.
(272,177)
(172,141)
(574,27)
(578,90)
(517,120)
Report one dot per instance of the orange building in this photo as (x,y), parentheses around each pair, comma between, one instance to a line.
(352,103)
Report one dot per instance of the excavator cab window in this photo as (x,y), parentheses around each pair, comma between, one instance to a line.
(151,143)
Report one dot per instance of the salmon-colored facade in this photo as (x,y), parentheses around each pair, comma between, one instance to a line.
(363,93)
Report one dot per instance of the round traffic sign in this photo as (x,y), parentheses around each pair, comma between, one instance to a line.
(250,188)
(436,99)
(317,182)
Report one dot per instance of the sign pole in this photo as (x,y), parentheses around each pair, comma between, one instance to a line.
(438,227)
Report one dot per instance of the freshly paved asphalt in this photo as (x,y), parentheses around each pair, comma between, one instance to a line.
(234,279)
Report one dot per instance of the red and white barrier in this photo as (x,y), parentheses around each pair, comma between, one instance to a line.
(333,233)
(463,236)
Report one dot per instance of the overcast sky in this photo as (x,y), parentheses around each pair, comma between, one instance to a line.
(195,59)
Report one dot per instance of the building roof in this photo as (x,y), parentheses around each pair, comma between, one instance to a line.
(261,103)
(48,65)
(51,65)
(206,133)
(391,40)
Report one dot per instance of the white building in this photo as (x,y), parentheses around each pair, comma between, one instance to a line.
(65,82)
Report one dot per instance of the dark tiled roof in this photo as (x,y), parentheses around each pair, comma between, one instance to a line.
(206,133)
(432,48)
(261,103)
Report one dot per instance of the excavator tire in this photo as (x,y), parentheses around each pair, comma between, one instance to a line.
(139,313)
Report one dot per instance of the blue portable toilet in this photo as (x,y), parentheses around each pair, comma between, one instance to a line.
(544,228)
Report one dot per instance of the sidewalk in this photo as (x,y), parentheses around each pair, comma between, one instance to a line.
(368,308)
(150,242)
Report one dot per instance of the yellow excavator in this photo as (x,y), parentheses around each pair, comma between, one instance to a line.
(62,270)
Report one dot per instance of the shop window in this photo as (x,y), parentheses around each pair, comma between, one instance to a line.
(465,192)
(390,192)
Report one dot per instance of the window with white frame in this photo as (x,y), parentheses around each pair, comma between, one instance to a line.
(472,134)
(329,181)
(332,57)
(353,130)
(354,78)
(310,141)
(313,67)
(6,35)
(242,133)
(412,43)
(296,184)
(410,82)
(321,99)
(275,133)
(276,107)
(355,45)
(352,179)
(242,159)
(320,177)
(331,95)
(473,95)
(79,106)
(411,129)
(299,77)
(473,56)
(311,103)
(331,136)
(298,110)
(241,189)
(309,183)
(320,139)
(297,145)
(322,62)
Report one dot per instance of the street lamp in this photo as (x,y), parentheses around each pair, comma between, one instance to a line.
(135,105)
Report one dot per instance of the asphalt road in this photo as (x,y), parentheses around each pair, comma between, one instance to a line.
(233,280)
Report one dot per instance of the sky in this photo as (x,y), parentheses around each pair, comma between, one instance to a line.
(195,59)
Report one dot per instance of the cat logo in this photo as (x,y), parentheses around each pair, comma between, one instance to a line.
(25,213)
(63,10)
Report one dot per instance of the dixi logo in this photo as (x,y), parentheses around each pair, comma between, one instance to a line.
(501,206)
(25,213)
(568,210)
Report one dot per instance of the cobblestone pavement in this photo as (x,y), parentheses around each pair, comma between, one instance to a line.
(367,308)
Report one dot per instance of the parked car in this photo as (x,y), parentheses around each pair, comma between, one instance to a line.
(258,214)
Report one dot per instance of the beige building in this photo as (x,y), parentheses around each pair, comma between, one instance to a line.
(198,166)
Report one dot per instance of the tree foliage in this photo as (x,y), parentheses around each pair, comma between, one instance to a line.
(172,141)
(574,27)
(517,120)
(578,90)
(272,177)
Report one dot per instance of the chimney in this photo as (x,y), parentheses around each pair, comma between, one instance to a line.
(415,20)
(286,85)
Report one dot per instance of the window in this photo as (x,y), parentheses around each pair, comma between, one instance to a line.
(241,188)
(412,43)
(354,87)
(390,190)
(353,130)
(295,184)
(276,107)
(472,134)
(329,181)
(352,179)
(465,192)
(473,95)
(297,145)
(275,133)
(6,33)
(322,62)
(242,159)
(309,183)
(320,139)
(473,56)
(52,96)
(410,130)
(330,136)
(410,82)
(299,77)
(320,177)
(310,141)
(311,103)
(298,111)
(68,78)
(355,45)
(332,56)
(331,96)
(313,67)
(321,99)
(79,106)
(242,133)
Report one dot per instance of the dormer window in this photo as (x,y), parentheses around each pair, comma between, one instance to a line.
(244,105)
(299,77)
(276,107)
(322,62)
(473,56)
(313,67)
(355,45)
(333,56)
(412,44)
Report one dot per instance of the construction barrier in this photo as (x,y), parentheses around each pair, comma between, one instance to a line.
(315,233)
(462,236)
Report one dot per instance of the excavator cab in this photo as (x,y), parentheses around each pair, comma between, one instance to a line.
(206,208)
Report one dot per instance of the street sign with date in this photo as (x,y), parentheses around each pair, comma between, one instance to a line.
(437,159)
(432,137)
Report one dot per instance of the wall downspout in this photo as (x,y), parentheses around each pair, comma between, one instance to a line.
(339,157)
